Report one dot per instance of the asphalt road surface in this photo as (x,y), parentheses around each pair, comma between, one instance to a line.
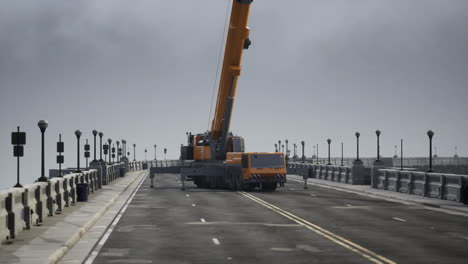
(291,225)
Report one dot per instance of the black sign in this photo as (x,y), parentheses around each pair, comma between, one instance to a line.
(113,155)
(60,147)
(106,152)
(60,159)
(18,138)
(86,154)
(86,147)
(18,151)
(105,147)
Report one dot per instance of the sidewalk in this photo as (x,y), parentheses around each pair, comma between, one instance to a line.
(51,241)
(445,206)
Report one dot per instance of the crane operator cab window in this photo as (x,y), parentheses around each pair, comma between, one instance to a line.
(275,161)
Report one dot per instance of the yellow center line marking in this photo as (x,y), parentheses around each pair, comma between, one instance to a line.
(366,253)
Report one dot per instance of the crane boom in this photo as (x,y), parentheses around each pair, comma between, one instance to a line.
(237,41)
(219,157)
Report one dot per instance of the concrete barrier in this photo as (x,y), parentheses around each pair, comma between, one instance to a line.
(433,185)
(4,231)
(66,192)
(41,200)
(419,183)
(15,209)
(57,184)
(356,174)
(51,204)
(30,203)
(72,189)
(345,175)
(23,208)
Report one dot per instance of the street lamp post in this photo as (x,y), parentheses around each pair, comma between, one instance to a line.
(317,153)
(100,146)
(358,161)
(329,142)
(377,132)
(43,124)
(155,146)
(109,143)
(401,155)
(78,134)
(95,134)
(119,152)
(287,149)
(145,153)
(134,155)
(303,150)
(124,148)
(276,147)
(430,134)
(342,157)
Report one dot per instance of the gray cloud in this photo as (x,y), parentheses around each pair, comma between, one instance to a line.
(144,71)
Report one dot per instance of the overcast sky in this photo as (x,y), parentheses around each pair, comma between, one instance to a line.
(144,71)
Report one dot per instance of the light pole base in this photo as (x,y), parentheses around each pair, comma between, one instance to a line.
(43,179)
(18,185)
(358,162)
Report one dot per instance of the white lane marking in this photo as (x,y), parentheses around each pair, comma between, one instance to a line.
(216,241)
(104,238)
(203,220)
(229,258)
(313,195)
(399,219)
(193,204)
(348,205)
(291,189)
(187,195)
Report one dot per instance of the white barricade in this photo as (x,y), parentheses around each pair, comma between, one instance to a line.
(41,200)
(51,204)
(17,208)
(66,192)
(72,189)
(30,204)
(57,183)
(4,231)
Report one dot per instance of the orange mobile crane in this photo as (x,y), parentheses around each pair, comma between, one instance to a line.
(219,160)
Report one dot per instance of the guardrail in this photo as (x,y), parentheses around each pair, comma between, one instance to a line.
(357,175)
(452,187)
(23,208)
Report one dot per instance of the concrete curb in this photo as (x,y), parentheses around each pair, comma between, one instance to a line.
(60,252)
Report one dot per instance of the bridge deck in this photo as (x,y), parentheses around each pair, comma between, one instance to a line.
(291,225)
